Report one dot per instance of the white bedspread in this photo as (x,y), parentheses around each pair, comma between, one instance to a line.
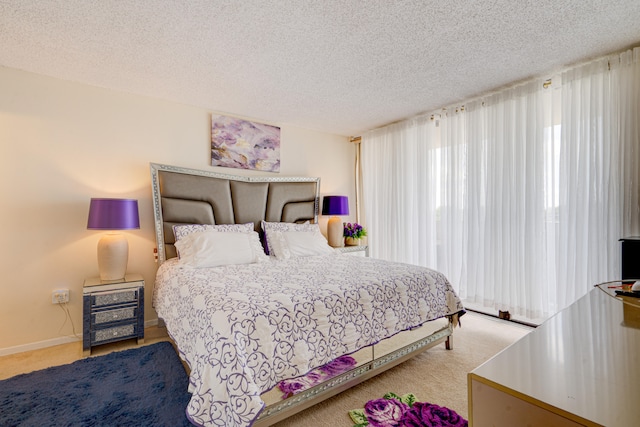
(244,328)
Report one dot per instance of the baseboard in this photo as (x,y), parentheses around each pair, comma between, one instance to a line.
(38,345)
(149,323)
(53,342)
(511,320)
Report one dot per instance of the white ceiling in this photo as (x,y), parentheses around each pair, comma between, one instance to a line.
(340,66)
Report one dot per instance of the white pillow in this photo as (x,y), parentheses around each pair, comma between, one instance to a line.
(216,248)
(293,244)
(180,231)
(270,227)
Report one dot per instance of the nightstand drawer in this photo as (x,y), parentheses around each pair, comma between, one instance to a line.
(109,316)
(114,297)
(114,333)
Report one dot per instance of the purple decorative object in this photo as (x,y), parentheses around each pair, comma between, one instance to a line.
(385,412)
(426,414)
(335,205)
(404,411)
(315,377)
(338,366)
(355,231)
(291,387)
(113,214)
(241,144)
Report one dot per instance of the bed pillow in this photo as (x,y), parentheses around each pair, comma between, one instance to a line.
(293,244)
(216,248)
(270,227)
(180,231)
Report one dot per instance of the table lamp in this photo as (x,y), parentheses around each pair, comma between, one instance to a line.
(335,205)
(113,248)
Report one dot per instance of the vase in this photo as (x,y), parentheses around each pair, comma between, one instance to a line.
(351,241)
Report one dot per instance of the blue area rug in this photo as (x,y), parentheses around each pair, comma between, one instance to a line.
(145,386)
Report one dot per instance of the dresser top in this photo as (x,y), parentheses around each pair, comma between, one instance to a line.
(585,360)
(130,280)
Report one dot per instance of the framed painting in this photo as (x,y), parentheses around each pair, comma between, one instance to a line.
(237,143)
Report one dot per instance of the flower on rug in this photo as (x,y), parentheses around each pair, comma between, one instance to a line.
(404,411)
(315,377)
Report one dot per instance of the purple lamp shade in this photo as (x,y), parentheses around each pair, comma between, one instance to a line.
(113,214)
(335,205)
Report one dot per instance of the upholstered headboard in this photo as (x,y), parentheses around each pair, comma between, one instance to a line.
(190,196)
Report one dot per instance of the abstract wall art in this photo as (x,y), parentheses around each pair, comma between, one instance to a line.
(242,144)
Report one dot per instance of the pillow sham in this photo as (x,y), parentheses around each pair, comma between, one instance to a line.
(180,231)
(269,227)
(293,244)
(217,248)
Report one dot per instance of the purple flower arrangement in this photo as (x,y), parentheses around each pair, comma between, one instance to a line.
(403,411)
(355,231)
(315,377)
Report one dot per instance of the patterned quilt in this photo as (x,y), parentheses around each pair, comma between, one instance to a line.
(244,328)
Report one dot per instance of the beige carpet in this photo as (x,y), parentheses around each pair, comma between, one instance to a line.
(437,376)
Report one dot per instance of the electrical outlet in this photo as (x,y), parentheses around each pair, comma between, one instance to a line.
(60,296)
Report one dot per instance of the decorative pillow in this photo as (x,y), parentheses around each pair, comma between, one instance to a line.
(216,248)
(180,231)
(293,244)
(270,227)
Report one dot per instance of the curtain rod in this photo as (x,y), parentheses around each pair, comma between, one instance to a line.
(545,84)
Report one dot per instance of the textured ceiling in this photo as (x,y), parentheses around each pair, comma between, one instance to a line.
(342,67)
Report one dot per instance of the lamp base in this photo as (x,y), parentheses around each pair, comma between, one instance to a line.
(113,255)
(335,232)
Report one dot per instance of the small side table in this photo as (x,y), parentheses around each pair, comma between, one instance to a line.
(355,250)
(113,310)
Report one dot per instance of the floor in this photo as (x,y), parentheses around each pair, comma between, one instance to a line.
(479,338)
(29,361)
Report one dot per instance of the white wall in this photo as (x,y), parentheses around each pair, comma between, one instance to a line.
(62,143)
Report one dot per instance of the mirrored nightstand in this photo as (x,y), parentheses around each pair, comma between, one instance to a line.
(354,250)
(113,310)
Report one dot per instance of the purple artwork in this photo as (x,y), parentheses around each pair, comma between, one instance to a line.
(237,143)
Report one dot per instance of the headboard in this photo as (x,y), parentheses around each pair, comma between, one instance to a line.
(191,196)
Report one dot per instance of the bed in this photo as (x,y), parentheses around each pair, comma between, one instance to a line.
(268,318)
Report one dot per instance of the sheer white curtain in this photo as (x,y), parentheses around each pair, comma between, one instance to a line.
(505,220)
(398,169)
(520,197)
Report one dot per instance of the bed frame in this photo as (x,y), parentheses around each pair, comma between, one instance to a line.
(190,196)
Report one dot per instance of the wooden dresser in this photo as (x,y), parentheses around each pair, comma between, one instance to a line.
(580,367)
